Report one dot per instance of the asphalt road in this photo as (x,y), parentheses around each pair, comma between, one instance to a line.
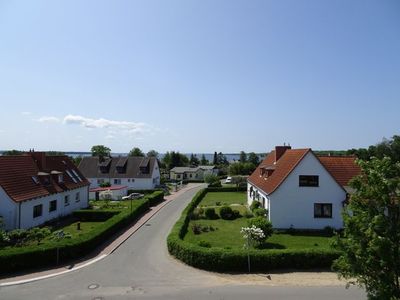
(142,269)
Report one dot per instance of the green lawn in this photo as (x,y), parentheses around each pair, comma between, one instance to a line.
(227,235)
(224,198)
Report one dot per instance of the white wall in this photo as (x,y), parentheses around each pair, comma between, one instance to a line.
(8,211)
(291,205)
(133,183)
(27,220)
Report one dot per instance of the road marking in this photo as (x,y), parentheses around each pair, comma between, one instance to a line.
(53,274)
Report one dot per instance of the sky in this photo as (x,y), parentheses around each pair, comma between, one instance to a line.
(198,76)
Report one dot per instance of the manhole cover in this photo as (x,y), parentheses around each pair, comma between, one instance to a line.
(148,224)
(93,286)
(98,298)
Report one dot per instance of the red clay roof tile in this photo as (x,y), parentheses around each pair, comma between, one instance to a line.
(16,174)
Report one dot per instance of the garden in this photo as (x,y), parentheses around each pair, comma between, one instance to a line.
(72,236)
(217,231)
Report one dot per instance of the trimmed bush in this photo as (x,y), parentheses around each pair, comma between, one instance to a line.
(22,258)
(215,184)
(90,215)
(235,260)
(210,213)
(227,213)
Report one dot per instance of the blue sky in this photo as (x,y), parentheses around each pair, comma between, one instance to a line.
(198,76)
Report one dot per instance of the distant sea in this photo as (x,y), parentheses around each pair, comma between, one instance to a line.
(231,157)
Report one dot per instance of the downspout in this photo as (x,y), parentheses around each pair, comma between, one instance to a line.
(19,215)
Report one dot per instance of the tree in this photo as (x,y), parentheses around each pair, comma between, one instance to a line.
(13,152)
(238,168)
(222,160)
(215,159)
(152,153)
(253,158)
(100,151)
(136,152)
(76,160)
(194,161)
(243,157)
(175,159)
(371,239)
(55,153)
(204,161)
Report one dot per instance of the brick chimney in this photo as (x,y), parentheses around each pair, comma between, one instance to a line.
(40,159)
(280,150)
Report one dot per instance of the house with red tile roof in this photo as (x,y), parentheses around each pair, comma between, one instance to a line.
(302,190)
(36,188)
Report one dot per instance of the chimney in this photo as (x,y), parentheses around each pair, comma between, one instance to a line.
(40,159)
(280,150)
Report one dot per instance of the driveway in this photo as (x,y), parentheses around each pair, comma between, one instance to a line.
(141,268)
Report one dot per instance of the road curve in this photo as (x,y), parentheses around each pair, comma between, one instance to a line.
(141,268)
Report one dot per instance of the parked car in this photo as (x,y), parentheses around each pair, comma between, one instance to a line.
(133,196)
(228,179)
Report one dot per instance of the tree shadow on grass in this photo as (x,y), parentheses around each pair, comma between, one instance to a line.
(267,245)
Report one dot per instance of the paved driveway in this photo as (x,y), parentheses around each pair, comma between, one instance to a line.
(142,269)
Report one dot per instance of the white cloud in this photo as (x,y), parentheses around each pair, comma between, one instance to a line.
(47,119)
(130,127)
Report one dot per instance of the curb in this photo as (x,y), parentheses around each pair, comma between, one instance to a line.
(100,256)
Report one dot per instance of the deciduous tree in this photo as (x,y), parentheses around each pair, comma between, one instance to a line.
(371,237)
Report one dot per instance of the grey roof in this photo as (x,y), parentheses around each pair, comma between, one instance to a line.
(191,169)
(118,167)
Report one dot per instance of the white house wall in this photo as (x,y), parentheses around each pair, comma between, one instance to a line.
(293,206)
(132,183)
(8,211)
(27,220)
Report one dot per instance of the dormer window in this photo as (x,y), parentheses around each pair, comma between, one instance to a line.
(35,179)
(60,178)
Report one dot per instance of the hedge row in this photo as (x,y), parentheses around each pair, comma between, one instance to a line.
(90,215)
(22,258)
(229,260)
(227,189)
(146,192)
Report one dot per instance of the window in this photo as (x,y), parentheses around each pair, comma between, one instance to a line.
(60,178)
(100,181)
(37,210)
(308,180)
(35,180)
(77,197)
(132,180)
(322,210)
(117,181)
(53,205)
(76,175)
(66,200)
(71,176)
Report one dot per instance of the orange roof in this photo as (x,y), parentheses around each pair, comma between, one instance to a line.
(283,167)
(16,174)
(342,168)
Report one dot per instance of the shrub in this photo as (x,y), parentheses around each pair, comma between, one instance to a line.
(217,203)
(329,231)
(260,212)
(263,224)
(215,184)
(38,234)
(90,215)
(210,213)
(18,236)
(254,205)
(204,244)
(196,228)
(14,259)
(236,214)
(248,214)
(226,213)
(235,260)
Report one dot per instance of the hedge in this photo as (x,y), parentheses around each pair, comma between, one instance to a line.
(21,258)
(90,215)
(145,192)
(235,260)
(227,189)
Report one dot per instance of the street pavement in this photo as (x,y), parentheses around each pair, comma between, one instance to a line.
(141,268)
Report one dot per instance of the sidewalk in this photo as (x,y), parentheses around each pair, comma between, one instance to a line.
(98,254)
